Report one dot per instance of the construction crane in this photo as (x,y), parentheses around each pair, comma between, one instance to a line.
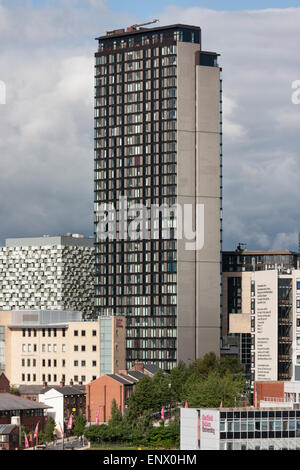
(135,26)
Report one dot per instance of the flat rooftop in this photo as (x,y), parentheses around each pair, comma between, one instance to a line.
(46,240)
(128,32)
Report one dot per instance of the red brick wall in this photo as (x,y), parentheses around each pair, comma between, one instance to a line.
(99,396)
(267,390)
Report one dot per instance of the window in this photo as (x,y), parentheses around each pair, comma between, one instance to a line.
(75,332)
(94,348)
(94,333)
(82,348)
(24,347)
(83,378)
(82,363)
(83,333)
(75,348)
(43,348)
(75,363)
(63,348)
(94,363)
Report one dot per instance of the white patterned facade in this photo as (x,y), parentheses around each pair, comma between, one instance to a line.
(47,273)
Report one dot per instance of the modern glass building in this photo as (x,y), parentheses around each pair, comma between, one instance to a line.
(240,429)
(158,129)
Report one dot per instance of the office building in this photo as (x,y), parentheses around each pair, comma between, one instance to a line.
(272,320)
(58,346)
(47,273)
(158,141)
(237,269)
(240,429)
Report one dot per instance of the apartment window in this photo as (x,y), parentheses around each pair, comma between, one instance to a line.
(94,333)
(23,377)
(44,363)
(63,333)
(63,363)
(28,377)
(82,363)
(83,378)
(49,332)
(83,333)
(54,378)
(43,348)
(49,377)
(24,347)
(28,362)
(83,348)
(76,348)
(34,378)
(94,363)
(49,347)
(23,333)
(75,332)
(54,347)
(35,348)
(23,362)
(49,362)
(94,348)
(75,363)
(75,378)
(298,285)
(43,332)
(29,347)
(63,348)
(34,362)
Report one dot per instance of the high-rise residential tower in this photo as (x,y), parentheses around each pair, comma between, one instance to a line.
(158,141)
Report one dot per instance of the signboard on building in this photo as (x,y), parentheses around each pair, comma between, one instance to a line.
(266,325)
(209,429)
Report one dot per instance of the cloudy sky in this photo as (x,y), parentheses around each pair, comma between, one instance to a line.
(46,126)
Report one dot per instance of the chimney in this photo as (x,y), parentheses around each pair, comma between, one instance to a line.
(139,366)
(125,372)
(71,383)
(61,384)
(44,384)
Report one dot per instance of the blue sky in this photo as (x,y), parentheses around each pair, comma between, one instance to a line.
(146,8)
(134,6)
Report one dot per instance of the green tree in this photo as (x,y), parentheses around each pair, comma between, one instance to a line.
(116,415)
(208,392)
(79,425)
(49,430)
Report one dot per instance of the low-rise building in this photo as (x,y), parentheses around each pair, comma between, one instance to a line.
(52,346)
(64,401)
(119,387)
(29,412)
(9,437)
(276,428)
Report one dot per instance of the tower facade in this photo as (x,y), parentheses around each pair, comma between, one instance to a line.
(158,143)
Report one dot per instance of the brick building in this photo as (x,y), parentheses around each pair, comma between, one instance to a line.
(119,387)
(9,437)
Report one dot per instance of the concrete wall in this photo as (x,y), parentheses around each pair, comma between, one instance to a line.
(198,173)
